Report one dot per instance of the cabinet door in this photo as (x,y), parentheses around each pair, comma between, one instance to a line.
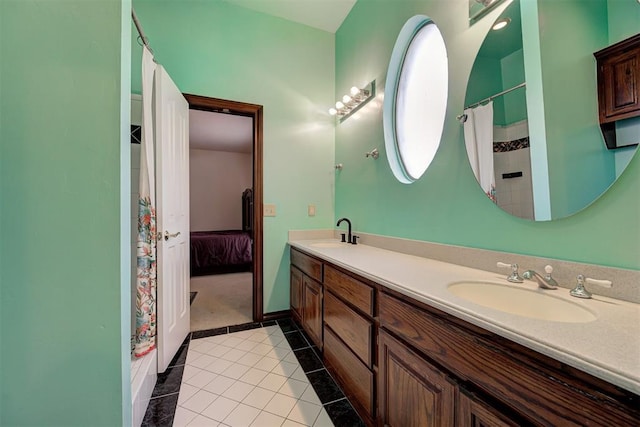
(312,309)
(621,80)
(474,412)
(411,391)
(296,294)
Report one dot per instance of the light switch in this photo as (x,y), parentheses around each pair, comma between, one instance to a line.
(311,210)
(269,210)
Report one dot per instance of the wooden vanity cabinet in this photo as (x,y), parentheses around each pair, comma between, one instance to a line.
(404,363)
(306,294)
(535,389)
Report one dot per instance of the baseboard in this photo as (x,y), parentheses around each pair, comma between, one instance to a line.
(275,315)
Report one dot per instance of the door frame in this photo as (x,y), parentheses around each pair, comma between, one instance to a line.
(197,102)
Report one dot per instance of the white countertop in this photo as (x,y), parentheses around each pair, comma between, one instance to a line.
(607,348)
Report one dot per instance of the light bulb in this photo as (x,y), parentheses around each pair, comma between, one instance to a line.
(333,111)
(354,91)
(500,24)
(346,99)
(339,105)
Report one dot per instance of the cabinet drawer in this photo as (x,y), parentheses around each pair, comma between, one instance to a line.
(351,373)
(350,289)
(310,266)
(351,327)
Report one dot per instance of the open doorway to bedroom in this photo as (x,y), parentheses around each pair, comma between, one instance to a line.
(225,152)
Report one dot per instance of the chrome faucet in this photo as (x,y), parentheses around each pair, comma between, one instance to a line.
(349,240)
(544,282)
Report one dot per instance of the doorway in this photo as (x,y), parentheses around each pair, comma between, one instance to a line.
(234,276)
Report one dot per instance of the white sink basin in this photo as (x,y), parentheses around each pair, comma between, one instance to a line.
(327,245)
(522,302)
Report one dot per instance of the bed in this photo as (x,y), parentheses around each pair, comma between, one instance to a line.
(225,251)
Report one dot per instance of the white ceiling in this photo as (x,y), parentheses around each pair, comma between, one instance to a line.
(326,15)
(220,132)
(226,132)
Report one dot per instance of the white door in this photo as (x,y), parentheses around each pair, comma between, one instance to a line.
(172,198)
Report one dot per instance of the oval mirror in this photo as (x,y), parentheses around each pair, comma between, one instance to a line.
(415,99)
(535,144)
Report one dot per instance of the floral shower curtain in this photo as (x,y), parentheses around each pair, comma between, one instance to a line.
(145,339)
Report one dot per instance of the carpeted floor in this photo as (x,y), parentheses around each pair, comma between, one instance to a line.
(222,300)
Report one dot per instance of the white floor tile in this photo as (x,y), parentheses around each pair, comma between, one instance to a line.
(273,340)
(183,417)
(203,346)
(250,359)
(257,337)
(220,408)
(310,396)
(291,423)
(243,334)
(234,354)
(202,361)
(323,420)
(189,371)
(286,369)
(272,329)
(199,401)
(265,419)
(192,355)
(253,376)
(299,375)
(266,364)
(272,382)
(278,353)
(235,371)
(280,405)
(201,379)
(219,350)
(259,397)
(217,339)
(238,391)
(261,349)
(219,385)
(304,413)
(293,388)
(218,366)
(201,421)
(241,416)
(186,391)
(233,341)
(291,357)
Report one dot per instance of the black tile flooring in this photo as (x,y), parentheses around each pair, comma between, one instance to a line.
(163,403)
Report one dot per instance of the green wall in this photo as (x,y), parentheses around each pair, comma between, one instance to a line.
(580,168)
(445,205)
(60,210)
(217,49)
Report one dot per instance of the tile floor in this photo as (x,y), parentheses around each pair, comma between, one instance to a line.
(259,374)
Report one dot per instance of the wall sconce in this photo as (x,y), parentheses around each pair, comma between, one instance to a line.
(354,101)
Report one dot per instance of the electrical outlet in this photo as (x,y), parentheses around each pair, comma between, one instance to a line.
(269,210)
(311,210)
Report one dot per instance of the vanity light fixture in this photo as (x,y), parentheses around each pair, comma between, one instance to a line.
(353,101)
(500,24)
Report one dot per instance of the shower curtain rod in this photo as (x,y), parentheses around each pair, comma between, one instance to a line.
(492,97)
(143,38)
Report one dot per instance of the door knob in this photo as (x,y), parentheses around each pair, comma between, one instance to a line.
(168,235)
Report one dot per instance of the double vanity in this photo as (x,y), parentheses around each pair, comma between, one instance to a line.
(415,341)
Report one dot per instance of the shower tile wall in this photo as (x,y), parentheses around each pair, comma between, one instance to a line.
(513,195)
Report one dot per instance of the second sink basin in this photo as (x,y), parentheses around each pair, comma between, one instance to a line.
(521,301)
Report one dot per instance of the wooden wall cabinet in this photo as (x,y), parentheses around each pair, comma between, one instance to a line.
(618,73)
